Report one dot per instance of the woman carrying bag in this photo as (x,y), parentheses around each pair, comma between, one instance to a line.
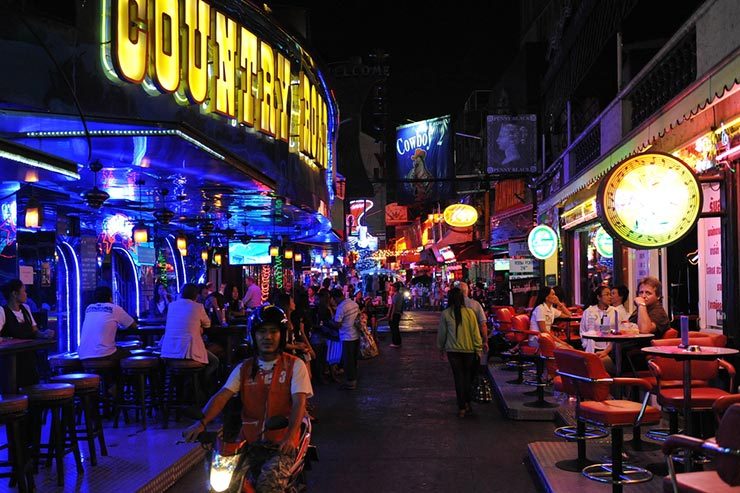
(459,337)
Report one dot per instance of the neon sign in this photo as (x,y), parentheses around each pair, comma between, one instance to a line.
(542,242)
(460,215)
(204,57)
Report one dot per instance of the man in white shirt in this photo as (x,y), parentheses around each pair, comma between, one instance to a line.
(102,320)
(253,297)
(344,320)
(183,334)
(274,382)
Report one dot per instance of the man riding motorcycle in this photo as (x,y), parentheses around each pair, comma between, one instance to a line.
(273,383)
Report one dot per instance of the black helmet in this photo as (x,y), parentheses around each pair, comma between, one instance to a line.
(265,316)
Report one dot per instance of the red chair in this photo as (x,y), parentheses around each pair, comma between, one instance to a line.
(544,361)
(718,340)
(726,451)
(668,374)
(522,355)
(583,375)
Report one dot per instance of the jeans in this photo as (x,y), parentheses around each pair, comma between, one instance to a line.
(463,368)
(350,354)
(395,329)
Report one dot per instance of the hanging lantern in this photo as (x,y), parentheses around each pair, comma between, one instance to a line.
(33,213)
(140,233)
(182,242)
(204,255)
(217,258)
(274,250)
(298,257)
(288,253)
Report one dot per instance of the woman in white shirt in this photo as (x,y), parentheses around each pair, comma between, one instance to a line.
(547,308)
(620,294)
(597,317)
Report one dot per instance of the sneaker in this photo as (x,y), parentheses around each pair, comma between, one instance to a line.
(394,345)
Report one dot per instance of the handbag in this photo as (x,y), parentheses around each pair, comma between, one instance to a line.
(482,392)
(368,346)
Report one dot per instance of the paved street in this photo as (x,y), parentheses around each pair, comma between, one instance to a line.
(399,431)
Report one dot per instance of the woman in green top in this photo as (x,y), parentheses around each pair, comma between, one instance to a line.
(459,337)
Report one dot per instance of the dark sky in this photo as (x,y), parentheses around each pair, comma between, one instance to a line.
(440,51)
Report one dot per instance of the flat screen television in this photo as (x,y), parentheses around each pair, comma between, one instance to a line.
(501,264)
(253,253)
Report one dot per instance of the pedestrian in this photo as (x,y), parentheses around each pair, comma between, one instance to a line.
(459,337)
(480,314)
(395,310)
(344,320)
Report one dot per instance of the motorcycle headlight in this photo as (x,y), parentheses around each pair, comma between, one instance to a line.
(222,470)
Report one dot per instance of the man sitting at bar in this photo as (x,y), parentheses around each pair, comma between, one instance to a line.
(102,320)
(16,321)
(183,334)
(253,296)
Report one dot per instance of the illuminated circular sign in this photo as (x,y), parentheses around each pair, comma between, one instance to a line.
(542,241)
(604,244)
(649,201)
(460,215)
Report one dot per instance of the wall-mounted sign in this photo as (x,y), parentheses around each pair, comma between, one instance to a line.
(204,57)
(604,244)
(521,266)
(460,215)
(542,241)
(649,201)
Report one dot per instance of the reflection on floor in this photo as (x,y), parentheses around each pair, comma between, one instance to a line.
(137,461)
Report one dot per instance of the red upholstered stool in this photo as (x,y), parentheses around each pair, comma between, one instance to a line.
(584,374)
(58,399)
(725,449)
(65,363)
(13,410)
(86,391)
(136,372)
(180,372)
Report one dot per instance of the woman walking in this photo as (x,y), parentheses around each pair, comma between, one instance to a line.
(459,337)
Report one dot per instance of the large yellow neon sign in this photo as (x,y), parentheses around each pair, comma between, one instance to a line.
(188,48)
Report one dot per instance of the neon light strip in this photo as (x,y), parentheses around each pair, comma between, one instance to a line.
(78,312)
(728,153)
(174,262)
(127,133)
(136,278)
(66,276)
(37,163)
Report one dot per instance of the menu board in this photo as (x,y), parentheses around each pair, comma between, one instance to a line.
(88,263)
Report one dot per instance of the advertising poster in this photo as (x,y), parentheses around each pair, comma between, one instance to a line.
(708,259)
(423,155)
(512,144)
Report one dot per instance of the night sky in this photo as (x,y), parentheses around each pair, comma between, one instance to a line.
(440,51)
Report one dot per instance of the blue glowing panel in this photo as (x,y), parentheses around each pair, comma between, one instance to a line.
(255,252)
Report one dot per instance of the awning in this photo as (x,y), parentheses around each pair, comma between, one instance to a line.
(471,251)
(719,83)
(512,224)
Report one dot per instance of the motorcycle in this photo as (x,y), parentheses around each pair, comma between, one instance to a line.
(228,471)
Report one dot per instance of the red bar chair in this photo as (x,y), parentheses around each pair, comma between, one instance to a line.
(584,374)
(726,452)
(544,361)
(522,354)
(718,340)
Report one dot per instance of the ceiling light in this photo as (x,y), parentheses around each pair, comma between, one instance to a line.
(95,197)
(298,257)
(140,233)
(33,213)
(182,242)
(288,253)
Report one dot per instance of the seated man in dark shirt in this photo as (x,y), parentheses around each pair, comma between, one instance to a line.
(650,317)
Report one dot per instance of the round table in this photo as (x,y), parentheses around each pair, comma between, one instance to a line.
(617,339)
(686,355)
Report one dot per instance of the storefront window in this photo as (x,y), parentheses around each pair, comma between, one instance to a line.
(598,259)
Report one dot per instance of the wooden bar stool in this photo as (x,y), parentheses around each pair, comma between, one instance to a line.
(178,372)
(136,370)
(65,363)
(13,410)
(58,398)
(86,392)
(108,370)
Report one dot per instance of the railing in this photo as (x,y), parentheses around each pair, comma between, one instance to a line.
(587,149)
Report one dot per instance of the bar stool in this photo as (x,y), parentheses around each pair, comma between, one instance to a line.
(130,345)
(108,370)
(86,391)
(58,398)
(584,374)
(65,363)
(13,410)
(178,371)
(136,370)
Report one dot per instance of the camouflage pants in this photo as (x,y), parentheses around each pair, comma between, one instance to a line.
(274,475)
